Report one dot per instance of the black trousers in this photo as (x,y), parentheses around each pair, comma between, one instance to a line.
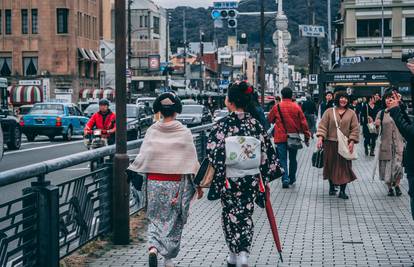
(410,177)
(370,140)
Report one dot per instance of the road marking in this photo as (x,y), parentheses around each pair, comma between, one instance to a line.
(36,143)
(42,147)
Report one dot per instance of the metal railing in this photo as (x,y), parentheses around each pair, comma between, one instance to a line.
(49,221)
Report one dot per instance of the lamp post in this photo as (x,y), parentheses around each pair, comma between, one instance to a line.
(262,58)
(120,185)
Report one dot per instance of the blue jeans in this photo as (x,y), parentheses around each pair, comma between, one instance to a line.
(283,151)
(410,177)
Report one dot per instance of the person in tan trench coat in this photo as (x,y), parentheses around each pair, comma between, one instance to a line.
(391,149)
(337,169)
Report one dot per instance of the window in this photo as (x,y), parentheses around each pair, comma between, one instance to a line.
(5,66)
(35,27)
(1,22)
(25,21)
(372,27)
(79,23)
(62,20)
(8,21)
(409,27)
(141,21)
(87,69)
(156,25)
(146,21)
(30,66)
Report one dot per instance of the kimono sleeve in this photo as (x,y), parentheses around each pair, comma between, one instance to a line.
(216,146)
(269,168)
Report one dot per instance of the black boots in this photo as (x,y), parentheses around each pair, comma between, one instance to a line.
(332,190)
(398,191)
(342,193)
(366,150)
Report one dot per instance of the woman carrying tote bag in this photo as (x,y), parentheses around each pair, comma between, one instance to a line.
(337,169)
(244,161)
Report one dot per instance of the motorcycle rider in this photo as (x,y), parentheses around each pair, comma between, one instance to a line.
(104,120)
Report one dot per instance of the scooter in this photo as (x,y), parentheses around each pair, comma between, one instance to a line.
(96,139)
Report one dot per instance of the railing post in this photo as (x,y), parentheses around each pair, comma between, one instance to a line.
(47,197)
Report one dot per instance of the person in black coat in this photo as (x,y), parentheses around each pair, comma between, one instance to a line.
(327,103)
(368,114)
(406,128)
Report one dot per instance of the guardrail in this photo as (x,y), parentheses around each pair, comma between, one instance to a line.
(50,221)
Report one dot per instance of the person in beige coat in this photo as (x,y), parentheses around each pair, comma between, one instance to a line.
(337,169)
(391,149)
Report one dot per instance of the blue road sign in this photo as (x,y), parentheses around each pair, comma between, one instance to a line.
(226,5)
(215,14)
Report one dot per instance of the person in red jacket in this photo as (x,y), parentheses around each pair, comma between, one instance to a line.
(104,120)
(288,117)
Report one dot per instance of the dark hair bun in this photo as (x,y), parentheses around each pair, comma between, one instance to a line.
(167,104)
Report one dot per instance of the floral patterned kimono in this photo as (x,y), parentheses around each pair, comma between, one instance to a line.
(239,194)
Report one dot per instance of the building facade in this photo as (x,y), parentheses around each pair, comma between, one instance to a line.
(49,49)
(360,28)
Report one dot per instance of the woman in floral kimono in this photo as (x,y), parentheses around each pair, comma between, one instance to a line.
(168,158)
(238,194)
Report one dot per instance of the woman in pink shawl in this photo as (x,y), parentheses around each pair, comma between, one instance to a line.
(168,158)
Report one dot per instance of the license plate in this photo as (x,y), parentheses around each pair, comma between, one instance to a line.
(39,120)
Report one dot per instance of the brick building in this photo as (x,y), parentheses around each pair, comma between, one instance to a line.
(49,49)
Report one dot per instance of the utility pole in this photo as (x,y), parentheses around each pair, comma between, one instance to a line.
(201,62)
(129,46)
(185,50)
(167,43)
(120,184)
(382,28)
(329,35)
(262,58)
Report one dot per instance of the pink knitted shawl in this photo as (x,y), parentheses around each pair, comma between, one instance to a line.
(168,148)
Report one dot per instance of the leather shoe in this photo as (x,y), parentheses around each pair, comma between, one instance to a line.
(343,195)
(285,185)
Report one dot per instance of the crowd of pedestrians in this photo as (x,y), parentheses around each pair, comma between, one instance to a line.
(242,159)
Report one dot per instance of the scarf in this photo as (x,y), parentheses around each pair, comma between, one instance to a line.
(168,148)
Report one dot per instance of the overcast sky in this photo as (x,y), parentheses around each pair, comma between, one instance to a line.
(193,3)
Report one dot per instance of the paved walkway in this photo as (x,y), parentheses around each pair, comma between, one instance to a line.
(369,229)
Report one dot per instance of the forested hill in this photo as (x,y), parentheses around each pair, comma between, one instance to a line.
(296,11)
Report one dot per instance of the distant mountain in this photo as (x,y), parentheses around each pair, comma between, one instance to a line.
(296,11)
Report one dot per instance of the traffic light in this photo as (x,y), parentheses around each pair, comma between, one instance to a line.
(224,14)
(232,23)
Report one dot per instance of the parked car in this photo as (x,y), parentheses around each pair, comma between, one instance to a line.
(134,123)
(53,119)
(189,102)
(143,100)
(219,114)
(12,132)
(146,115)
(194,115)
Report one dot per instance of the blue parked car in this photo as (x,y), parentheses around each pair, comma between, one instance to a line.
(53,119)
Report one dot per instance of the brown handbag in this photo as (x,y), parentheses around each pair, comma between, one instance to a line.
(205,175)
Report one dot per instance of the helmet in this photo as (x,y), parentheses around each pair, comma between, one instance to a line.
(104,102)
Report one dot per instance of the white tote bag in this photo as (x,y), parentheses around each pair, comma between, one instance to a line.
(343,148)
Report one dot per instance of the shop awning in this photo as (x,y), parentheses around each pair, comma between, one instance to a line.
(97,94)
(83,54)
(99,57)
(91,55)
(85,93)
(25,95)
(109,94)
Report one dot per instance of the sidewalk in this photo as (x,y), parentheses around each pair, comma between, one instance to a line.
(369,229)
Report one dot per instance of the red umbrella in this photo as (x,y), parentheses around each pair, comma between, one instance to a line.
(272,220)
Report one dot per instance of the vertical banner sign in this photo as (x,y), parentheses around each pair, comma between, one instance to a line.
(46,89)
(154,62)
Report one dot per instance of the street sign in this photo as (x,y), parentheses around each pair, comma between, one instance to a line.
(30,82)
(154,62)
(351,60)
(312,31)
(287,38)
(226,5)
(313,79)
